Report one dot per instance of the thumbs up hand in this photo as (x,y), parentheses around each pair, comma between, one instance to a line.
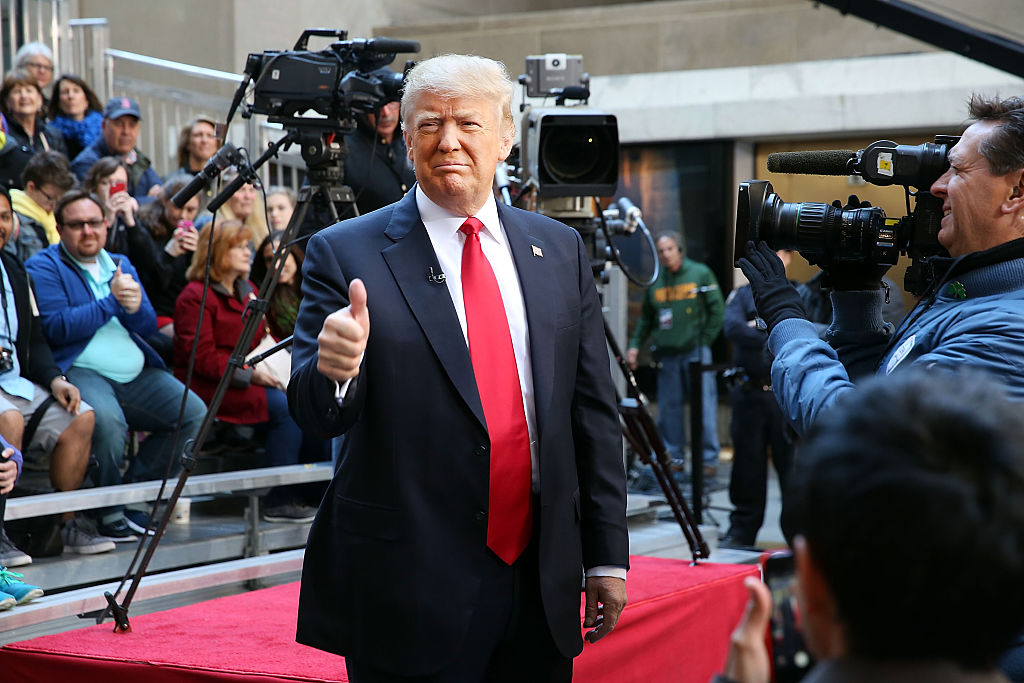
(342,339)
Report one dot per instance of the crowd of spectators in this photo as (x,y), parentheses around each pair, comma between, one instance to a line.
(97,265)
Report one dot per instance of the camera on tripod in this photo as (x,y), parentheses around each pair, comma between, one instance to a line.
(827,235)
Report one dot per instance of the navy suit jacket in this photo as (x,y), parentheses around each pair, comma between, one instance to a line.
(395,557)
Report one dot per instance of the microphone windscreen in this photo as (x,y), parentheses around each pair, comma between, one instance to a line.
(819,162)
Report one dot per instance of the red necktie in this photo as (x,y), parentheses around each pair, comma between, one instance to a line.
(494,365)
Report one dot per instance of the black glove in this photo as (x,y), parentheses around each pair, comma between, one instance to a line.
(852,276)
(775,297)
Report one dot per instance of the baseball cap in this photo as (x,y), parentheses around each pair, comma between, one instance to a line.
(121,106)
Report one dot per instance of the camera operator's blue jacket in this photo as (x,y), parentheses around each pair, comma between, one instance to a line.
(71,314)
(973,317)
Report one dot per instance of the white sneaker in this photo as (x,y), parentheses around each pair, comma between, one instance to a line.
(10,556)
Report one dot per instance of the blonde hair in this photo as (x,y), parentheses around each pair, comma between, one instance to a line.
(256,221)
(458,76)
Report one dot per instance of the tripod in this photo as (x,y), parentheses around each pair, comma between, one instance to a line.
(642,434)
(322,150)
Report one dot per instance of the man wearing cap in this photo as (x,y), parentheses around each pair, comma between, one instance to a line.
(121,119)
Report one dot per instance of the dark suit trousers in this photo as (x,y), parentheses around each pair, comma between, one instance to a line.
(508,638)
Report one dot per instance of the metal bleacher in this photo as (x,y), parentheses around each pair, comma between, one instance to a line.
(224,543)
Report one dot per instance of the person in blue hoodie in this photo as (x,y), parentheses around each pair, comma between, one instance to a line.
(973,313)
(96,316)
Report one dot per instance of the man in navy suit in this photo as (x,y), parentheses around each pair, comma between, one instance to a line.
(422,564)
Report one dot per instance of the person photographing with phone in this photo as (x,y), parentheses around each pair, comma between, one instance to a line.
(939,454)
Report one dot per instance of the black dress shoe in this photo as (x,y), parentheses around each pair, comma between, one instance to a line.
(731,540)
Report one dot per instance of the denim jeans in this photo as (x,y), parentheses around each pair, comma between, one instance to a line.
(150,403)
(673,392)
(284,441)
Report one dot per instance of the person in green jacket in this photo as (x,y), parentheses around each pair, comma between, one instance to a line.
(682,315)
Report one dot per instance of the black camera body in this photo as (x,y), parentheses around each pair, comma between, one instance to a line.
(336,83)
(825,234)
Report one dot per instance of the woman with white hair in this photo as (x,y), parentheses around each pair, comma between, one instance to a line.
(37,59)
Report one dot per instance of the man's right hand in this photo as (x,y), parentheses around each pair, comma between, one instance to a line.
(775,297)
(126,291)
(342,340)
(631,356)
(748,660)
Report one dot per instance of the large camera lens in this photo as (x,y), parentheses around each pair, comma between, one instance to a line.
(577,153)
(571,154)
(822,233)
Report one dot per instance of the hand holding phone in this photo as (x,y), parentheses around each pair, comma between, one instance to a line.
(790,655)
(186,235)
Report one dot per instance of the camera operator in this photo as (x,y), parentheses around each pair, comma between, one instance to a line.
(376,166)
(973,314)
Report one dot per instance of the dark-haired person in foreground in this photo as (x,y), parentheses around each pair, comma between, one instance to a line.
(973,314)
(908,505)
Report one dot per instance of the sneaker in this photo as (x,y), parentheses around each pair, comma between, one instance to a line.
(117,531)
(10,556)
(80,536)
(10,584)
(7,601)
(138,521)
(293,513)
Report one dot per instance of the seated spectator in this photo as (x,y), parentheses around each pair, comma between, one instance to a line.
(254,397)
(280,207)
(76,111)
(173,238)
(909,513)
(108,180)
(21,102)
(37,59)
(46,177)
(29,383)
(283,306)
(13,591)
(120,134)
(96,317)
(197,142)
(245,206)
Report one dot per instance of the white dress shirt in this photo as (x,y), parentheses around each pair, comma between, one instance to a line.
(443,229)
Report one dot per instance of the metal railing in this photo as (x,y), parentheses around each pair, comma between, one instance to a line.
(26,21)
(169,94)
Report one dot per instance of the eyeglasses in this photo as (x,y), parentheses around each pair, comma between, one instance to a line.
(40,66)
(93,224)
(52,200)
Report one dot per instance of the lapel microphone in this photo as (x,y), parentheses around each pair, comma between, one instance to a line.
(437,279)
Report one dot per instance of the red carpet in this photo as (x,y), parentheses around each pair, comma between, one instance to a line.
(675,629)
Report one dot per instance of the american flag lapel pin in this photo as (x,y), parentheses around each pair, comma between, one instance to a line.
(537,251)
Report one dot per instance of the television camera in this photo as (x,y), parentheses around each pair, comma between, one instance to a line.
(568,157)
(825,234)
